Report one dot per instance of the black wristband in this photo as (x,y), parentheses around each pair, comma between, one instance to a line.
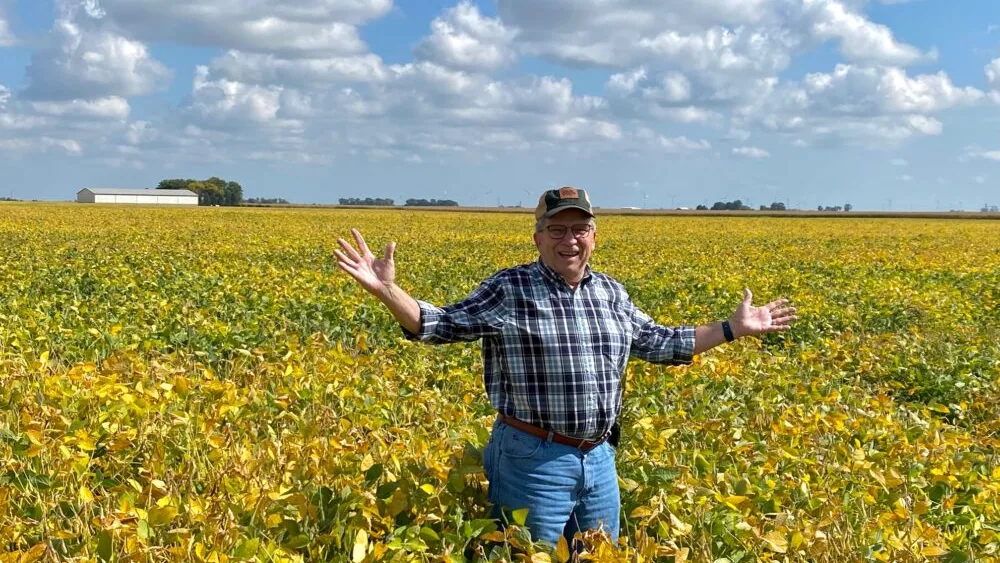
(727,331)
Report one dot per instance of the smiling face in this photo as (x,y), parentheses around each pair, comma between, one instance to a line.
(569,255)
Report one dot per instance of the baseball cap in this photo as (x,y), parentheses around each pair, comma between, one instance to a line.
(554,201)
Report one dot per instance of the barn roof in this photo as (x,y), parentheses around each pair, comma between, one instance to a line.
(128,191)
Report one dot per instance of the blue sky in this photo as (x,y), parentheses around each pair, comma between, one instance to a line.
(881,104)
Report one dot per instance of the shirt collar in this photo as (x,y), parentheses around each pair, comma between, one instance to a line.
(554,277)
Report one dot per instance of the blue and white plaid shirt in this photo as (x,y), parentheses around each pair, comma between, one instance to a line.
(553,356)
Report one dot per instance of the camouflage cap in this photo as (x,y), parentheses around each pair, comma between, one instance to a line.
(554,201)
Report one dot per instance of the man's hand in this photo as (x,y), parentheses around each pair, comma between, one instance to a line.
(751,321)
(377,275)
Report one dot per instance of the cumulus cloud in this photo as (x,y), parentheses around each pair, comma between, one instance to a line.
(860,38)
(112,107)
(464,39)
(985,154)
(81,59)
(229,104)
(259,68)
(751,152)
(858,90)
(280,26)
(6,36)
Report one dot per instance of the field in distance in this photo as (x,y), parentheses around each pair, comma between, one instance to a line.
(206,384)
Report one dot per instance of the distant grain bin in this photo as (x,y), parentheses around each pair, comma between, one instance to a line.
(146,197)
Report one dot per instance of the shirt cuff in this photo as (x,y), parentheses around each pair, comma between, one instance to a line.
(684,353)
(429,317)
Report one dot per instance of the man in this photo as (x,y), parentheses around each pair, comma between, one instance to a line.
(556,340)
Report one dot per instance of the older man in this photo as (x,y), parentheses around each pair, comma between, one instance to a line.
(556,339)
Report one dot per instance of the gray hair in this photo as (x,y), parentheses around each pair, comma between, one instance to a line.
(540,224)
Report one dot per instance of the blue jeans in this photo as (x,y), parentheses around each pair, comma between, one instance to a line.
(564,489)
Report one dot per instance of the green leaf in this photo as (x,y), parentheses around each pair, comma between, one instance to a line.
(520,516)
(104,546)
(143,530)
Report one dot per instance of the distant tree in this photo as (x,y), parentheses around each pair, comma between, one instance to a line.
(174,184)
(730,206)
(378,201)
(777,206)
(233,193)
(702,208)
(260,200)
(213,191)
(848,207)
(431,203)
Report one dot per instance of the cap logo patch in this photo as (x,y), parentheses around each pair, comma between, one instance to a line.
(569,193)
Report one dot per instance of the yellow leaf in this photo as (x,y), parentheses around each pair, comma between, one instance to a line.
(427,488)
(85,496)
(933,551)
(494,536)
(35,437)
(776,542)
(360,547)
(159,484)
(540,557)
(678,527)
(562,550)
(162,516)
(34,554)
(681,555)
(641,512)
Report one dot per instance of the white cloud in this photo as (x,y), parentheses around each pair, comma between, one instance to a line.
(904,178)
(256,68)
(625,83)
(993,73)
(647,137)
(979,179)
(860,38)
(751,152)
(229,104)
(289,27)
(6,36)
(113,107)
(674,87)
(859,90)
(80,60)
(464,39)
(580,128)
(976,152)
(899,162)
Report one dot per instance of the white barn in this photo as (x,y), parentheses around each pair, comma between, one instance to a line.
(149,197)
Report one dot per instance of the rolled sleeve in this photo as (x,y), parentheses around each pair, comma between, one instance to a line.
(661,344)
(479,315)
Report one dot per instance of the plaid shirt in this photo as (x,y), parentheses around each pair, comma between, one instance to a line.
(553,356)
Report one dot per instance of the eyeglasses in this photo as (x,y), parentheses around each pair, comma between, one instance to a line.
(558,232)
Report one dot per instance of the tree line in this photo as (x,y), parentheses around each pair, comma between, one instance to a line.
(213,191)
(387,202)
(738,205)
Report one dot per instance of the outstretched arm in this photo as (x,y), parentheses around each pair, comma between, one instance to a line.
(378,277)
(747,320)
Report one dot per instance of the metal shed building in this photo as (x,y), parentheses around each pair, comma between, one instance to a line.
(149,197)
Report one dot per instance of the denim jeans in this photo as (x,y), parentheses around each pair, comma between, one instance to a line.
(564,489)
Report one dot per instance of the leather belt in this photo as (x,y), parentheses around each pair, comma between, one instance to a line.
(581,444)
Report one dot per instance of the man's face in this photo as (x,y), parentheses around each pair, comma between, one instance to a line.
(569,255)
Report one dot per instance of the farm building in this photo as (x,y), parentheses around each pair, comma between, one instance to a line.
(151,197)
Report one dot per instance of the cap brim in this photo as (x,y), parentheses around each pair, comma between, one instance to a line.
(561,208)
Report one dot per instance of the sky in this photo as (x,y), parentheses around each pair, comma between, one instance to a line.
(881,104)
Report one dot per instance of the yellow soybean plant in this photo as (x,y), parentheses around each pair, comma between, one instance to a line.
(205,384)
